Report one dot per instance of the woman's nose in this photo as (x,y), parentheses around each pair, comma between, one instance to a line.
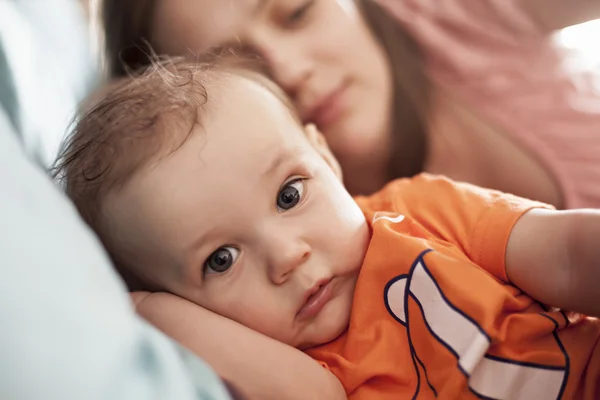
(289,67)
(285,256)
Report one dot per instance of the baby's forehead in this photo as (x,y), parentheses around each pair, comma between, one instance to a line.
(242,107)
(257,82)
(237,108)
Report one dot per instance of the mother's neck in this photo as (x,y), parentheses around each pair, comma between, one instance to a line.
(366,175)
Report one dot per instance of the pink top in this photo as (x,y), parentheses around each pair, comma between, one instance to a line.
(497,60)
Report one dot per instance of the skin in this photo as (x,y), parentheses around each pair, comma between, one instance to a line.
(562,247)
(316,50)
(221,193)
(264,368)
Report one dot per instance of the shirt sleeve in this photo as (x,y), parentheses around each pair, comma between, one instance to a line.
(68,328)
(479,221)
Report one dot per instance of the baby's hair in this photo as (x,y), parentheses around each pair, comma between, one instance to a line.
(136,121)
(124,127)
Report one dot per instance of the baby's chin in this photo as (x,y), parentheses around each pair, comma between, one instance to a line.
(324,338)
(331,324)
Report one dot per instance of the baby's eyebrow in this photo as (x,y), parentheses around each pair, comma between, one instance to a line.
(279,159)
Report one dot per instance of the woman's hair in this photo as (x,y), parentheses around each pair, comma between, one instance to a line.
(127,43)
(411,90)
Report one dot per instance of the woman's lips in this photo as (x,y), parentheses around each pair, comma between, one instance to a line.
(329,108)
(315,302)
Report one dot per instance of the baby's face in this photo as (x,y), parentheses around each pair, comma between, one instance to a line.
(248,220)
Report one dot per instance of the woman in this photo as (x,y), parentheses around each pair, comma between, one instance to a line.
(479,92)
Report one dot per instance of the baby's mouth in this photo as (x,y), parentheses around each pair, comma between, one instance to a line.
(315,299)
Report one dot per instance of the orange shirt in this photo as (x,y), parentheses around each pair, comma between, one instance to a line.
(433,312)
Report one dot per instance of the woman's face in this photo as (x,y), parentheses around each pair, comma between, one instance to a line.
(320,51)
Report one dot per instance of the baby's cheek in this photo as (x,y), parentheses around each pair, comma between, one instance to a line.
(263,314)
(270,323)
(248,300)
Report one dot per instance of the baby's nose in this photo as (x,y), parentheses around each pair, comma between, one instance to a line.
(286,258)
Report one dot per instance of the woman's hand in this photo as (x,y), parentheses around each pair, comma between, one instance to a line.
(259,366)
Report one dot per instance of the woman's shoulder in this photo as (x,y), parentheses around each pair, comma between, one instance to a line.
(508,71)
(451,32)
(491,17)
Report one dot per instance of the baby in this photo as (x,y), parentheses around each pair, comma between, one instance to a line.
(201,181)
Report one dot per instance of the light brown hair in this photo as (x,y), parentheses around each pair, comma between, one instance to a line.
(127,37)
(124,128)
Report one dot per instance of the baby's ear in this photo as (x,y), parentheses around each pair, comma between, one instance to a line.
(317,140)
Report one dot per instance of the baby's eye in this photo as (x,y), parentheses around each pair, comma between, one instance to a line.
(290,194)
(221,260)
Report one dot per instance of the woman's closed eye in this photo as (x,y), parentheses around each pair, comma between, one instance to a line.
(221,260)
(299,13)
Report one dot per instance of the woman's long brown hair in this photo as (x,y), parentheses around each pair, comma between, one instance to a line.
(127,40)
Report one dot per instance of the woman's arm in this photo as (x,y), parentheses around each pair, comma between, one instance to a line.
(259,366)
(553,15)
(554,256)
